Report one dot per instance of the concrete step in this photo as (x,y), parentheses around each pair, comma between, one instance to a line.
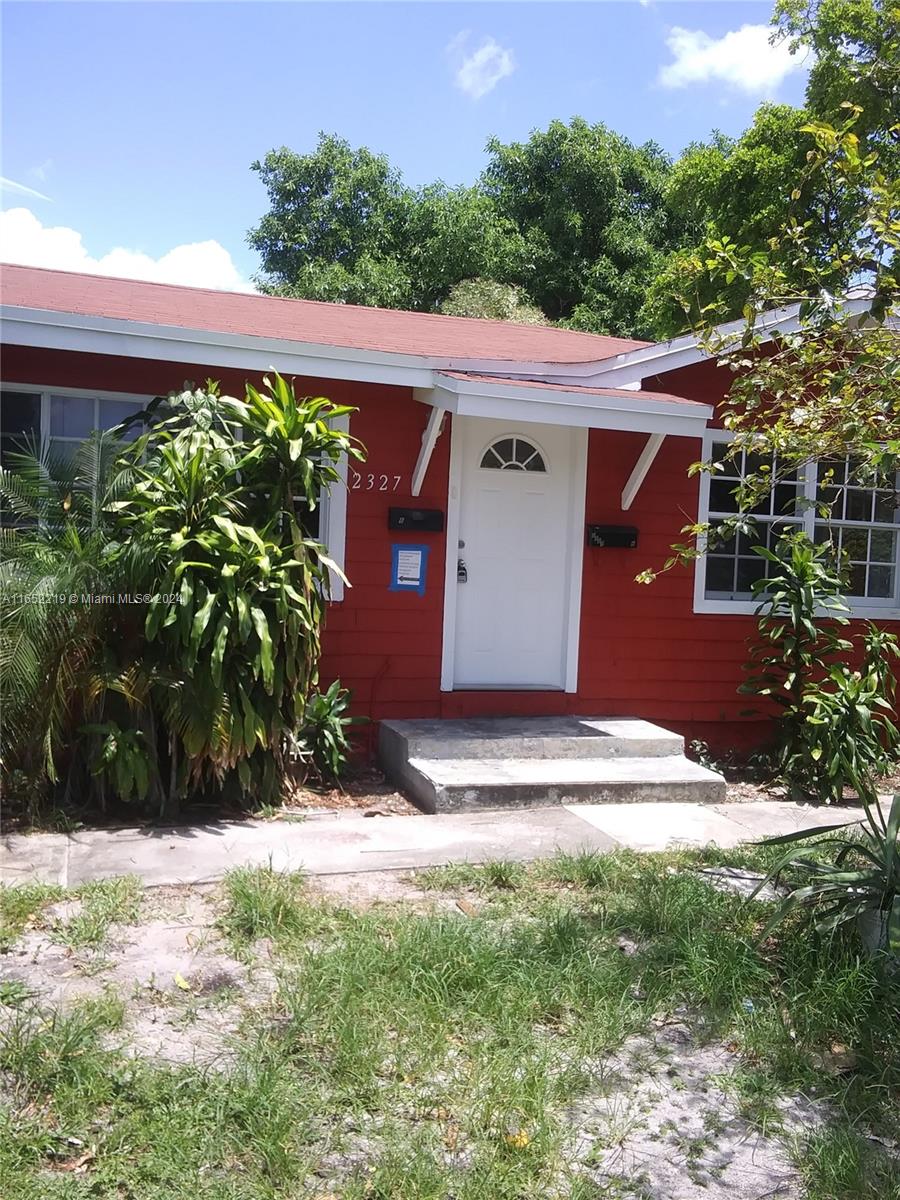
(526,737)
(462,784)
(517,762)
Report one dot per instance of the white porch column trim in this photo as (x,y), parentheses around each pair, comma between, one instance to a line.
(641,467)
(430,436)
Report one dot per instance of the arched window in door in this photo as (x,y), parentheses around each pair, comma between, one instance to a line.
(512,454)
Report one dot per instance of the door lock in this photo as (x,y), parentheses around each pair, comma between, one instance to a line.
(462,573)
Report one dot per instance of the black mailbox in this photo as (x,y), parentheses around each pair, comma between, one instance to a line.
(612,537)
(416,520)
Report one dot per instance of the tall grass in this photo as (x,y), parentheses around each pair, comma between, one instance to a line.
(437,1055)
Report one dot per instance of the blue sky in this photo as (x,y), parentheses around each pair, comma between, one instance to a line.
(138,121)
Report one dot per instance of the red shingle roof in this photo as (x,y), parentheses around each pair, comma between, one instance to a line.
(625,393)
(251,315)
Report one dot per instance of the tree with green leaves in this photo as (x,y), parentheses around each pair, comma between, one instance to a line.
(854,49)
(591,209)
(825,389)
(743,191)
(740,189)
(815,367)
(336,225)
(342,226)
(492,301)
(830,387)
(575,217)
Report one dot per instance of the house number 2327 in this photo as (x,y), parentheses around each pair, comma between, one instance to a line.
(374,483)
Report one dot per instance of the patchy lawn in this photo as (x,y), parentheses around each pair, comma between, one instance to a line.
(594,1026)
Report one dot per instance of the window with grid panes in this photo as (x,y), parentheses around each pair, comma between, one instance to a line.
(859,522)
(732,567)
(862,524)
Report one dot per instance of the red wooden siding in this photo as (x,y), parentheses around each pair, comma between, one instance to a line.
(643,651)
(385,646)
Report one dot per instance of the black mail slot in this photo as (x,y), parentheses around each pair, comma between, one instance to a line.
(612,537)
(416,520)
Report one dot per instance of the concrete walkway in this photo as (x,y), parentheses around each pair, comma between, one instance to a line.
(333,845)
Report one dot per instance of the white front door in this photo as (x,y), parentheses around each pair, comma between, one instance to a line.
(521,505)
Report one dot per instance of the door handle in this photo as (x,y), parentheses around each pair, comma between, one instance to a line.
(462,573)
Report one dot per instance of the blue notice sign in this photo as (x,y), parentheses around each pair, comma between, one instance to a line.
(409,566)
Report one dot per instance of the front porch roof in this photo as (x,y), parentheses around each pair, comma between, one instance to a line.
(657,414)
(544,403)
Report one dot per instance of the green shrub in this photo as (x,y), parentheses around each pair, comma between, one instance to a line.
(859,879)
(206,512)
(321,745)
(835,724)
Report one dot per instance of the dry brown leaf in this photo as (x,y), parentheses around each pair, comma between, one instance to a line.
(77,1166)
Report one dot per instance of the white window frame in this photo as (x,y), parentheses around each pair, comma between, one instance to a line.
(45,393)
(333,518)
(887,609)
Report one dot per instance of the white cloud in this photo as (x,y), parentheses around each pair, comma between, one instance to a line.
(479,72)
(19,189)
(25,241)
(745,59)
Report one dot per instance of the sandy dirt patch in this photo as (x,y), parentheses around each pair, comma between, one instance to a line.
(666,1125)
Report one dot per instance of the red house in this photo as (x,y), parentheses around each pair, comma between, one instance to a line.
(517,480)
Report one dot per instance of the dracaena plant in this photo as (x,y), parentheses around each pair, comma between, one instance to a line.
(206,513)
(835,725)
(322,745)
(222,487)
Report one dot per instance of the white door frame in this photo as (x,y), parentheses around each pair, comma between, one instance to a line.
(574,554)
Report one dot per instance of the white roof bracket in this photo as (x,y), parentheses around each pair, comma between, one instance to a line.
(641,467)
(430,436)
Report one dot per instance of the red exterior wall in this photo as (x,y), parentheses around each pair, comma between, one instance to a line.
(385,646)
(643,651)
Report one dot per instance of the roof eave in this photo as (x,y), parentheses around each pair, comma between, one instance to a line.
(567,406)
(631,367)
(55,329)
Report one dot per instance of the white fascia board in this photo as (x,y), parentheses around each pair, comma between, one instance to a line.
(134,339)
(625,370)
(687,349)
(51,329)
(54,330)
(510,402)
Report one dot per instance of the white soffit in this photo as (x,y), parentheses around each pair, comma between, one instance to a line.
(508,400)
